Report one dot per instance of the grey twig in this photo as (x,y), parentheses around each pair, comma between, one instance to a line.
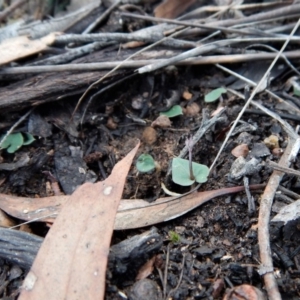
(251,204)
(87,67)
(289,155)
(93,25)
(200,50)
(144,35)
(70,55)
(9,10)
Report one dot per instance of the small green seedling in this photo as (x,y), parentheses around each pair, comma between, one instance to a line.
(15,141)
(174,237)
(145,163)
(214,95)
(174,111)
(296,91)
(186,172)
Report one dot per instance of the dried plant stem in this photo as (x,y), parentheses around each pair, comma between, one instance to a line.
(214,59)
(254,93)
(264,219)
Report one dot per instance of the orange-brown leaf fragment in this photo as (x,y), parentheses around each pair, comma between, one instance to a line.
(244,292)
(240,150)
(172,8)
(21,46)
(72,260)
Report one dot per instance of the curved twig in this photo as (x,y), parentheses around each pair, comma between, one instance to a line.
(264,219)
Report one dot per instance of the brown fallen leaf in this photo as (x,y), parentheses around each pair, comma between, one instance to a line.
(131,213)
(244,292)
(146,269)
(71,262)
(168,208)
(172,8)
(5,220)
(19,47)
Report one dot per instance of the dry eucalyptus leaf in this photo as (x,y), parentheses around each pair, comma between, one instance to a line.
(172,8)
(71,263)
(19,47)
(131,213)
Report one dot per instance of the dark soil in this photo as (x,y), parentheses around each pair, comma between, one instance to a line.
(217,245)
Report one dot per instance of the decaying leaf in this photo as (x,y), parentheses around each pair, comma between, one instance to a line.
(172,8)
(131,213)
(71,262)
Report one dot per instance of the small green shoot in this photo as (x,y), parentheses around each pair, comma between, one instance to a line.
(174,237)
(296,90)
(186,172)
(15,141)
(174,111)
(145,163)
(214,95)
(181,172)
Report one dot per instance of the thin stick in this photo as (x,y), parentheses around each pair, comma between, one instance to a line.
(280,168)
(279,12)
(118,66)
(9,10)
(166,272)
(214,8)
(276,51)
(205,60)
(254,93)
(92,26)
(185,23)
(203,49)
(179,280)
(252,83)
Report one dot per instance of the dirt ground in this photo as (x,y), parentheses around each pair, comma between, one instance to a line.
(205,252)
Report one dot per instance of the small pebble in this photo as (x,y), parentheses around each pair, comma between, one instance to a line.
(192,110)
(111,124)
(137,102)
(187,95)
(244,138)
(145,289)
(149,136)
(277,152)
(240,150)
(260,150)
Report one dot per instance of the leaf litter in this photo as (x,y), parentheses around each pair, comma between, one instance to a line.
(109,129)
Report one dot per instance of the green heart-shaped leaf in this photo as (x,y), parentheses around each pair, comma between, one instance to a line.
(174,111)
(214,95)
(13,142)
(145,163)
(181,172)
